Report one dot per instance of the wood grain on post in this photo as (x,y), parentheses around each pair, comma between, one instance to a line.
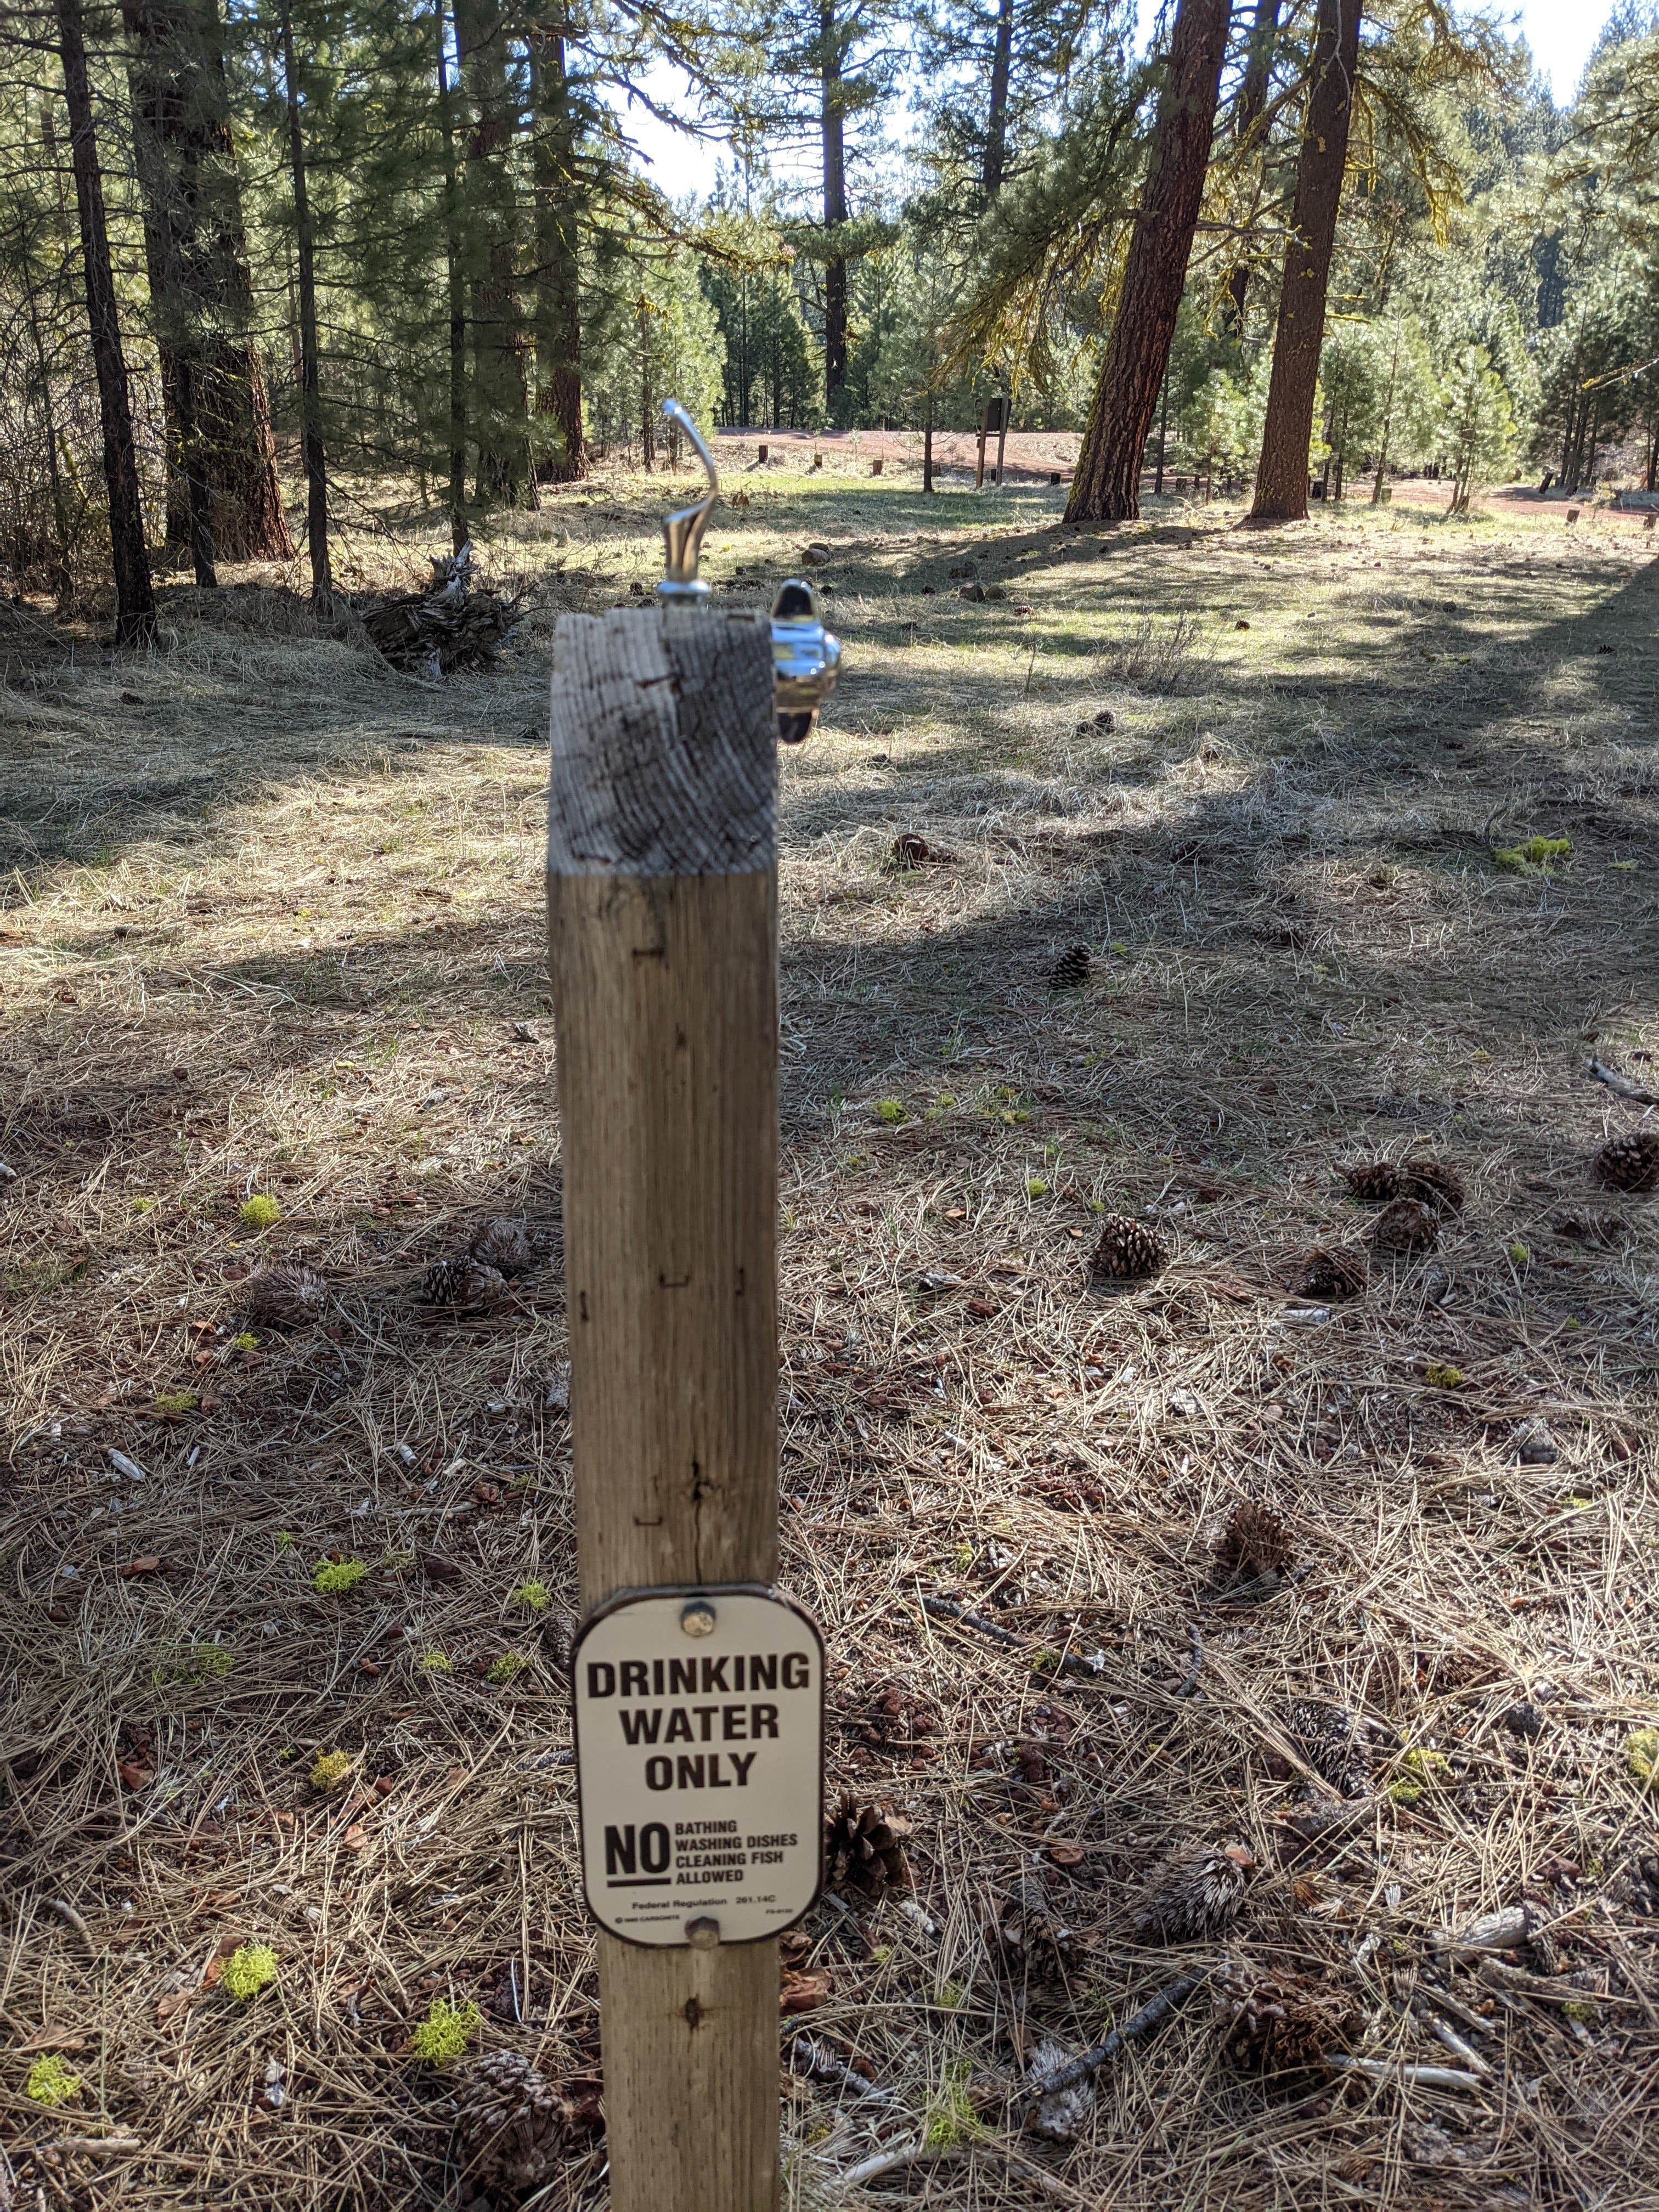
(662,902)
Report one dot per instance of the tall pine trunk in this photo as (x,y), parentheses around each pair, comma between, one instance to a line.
(1281,481)
(558,266)
(311,368)
(832,119)
(1106,486)
(455,287)
(500,424)
(218,416)
(1248,122)
(134,601)
(996,114)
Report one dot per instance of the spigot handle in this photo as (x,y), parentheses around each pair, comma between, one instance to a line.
(805,660)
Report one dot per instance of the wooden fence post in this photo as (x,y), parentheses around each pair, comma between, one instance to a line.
(662,931)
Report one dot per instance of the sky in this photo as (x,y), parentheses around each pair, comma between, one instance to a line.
(1560,33)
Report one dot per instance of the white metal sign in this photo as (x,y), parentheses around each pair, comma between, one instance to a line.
(699,1717)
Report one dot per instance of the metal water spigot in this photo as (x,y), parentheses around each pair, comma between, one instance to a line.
(805,658)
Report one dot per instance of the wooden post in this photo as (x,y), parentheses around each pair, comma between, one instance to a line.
(662,932)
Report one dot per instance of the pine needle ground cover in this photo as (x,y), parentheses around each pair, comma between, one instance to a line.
(288,1823)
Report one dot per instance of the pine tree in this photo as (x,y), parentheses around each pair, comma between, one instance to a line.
(134,601)
(311,437)
(1281,482)
(201,294)
(1477,423)
(500,412)
(562,457)
(1106,486)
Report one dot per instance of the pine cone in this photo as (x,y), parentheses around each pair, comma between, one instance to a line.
(1283,2023)
(1407,1225)
(1072,970)
(1434,1183)
(504,1244)
(1330,1740)
(1373,1182)
(1324,1272)
(1127,1252)
(515,2124)
(863,1850)
(1193,1894)
(466,1284)
(1034,1937)
(1630,1162)
(283,1298)
(1256,1540)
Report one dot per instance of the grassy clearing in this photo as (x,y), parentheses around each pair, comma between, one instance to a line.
(273,931)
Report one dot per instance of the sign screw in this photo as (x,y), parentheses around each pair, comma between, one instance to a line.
(698,1617)
(702,1934)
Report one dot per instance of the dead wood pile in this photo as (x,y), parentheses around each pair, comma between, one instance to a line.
(456,623)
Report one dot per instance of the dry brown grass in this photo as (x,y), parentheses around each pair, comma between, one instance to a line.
(274,926)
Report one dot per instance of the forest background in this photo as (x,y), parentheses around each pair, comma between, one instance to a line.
(423,245)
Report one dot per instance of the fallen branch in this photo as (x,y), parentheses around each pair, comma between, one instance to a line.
(1620,1085)
(1152,2014)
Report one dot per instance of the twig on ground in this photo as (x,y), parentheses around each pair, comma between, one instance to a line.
(1187,1685)
(893,2161)
(889,2161)
(67,1913)
(1453,2041)
(1408,2077)
(1152,2014)
(821,2061)
(1620,1085)
(1070,1663)
(115,2146)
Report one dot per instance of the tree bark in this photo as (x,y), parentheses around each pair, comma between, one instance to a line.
(558,269)
(1281,482)
(455,291)
(996,117)
(1106,485)
(202,297)
(500,424)
(1247,122)
(833,125)
(135,600)
(311,379)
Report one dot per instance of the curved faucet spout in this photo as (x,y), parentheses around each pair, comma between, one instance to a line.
(682,530)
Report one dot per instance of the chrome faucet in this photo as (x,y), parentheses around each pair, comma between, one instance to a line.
(805,658)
